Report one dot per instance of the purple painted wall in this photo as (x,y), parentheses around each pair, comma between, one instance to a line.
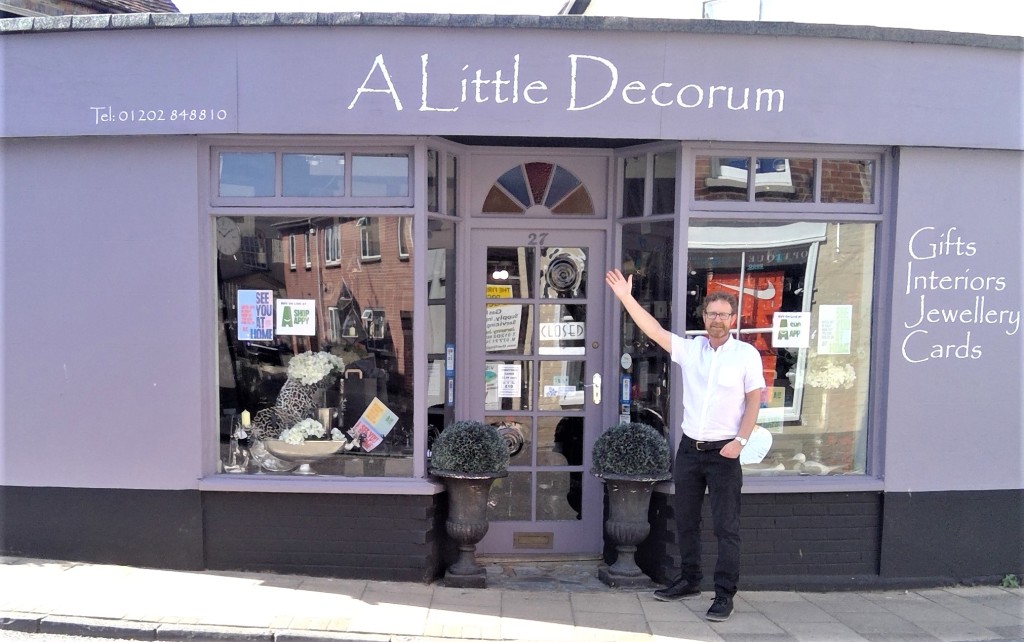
(956,406)
(101,274)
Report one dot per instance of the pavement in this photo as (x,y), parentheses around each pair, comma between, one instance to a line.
(530,601)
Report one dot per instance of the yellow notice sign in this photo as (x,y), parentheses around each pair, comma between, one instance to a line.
(499,291)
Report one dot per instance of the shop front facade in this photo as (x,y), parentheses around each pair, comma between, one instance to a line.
(222,230)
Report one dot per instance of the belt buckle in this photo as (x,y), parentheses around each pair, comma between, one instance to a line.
(697,445)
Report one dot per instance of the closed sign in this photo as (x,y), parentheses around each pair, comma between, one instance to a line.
(565,330)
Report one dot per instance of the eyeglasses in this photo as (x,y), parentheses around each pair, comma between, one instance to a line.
(721,316)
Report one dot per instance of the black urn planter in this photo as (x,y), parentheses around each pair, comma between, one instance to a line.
(627,525)
(466,524)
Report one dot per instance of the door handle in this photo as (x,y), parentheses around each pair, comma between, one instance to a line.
(597,388)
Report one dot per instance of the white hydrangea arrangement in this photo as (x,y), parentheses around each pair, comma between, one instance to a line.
(309,428)
(831,376)
(312,367)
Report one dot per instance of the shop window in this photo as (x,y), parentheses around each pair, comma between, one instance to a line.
(783,179)
(634,171)
(648,255)
(452,182)
(246,174)
(369,238)
(649,184)
(804,290)
(380,175)
(441,315)
(721,178)
(270,316)
(664,188)
(313,178)
(332,244)
(847,181)
(433,185)
(309,175)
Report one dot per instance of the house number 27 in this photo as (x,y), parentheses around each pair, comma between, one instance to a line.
(536,238)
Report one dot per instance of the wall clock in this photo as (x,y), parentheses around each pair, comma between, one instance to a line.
(229,236)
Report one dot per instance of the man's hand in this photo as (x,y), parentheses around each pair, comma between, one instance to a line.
(619,284)
(731,449)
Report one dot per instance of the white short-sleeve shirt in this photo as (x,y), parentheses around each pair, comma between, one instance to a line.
(715,385)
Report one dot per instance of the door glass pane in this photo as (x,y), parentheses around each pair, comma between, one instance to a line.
(562,272)
(509,328)
(508,272)
(562,329)
(312,175)
(560,440)
(507,385)
(561,385)
(554,489)
(509,499)
(518,434)
(246,174)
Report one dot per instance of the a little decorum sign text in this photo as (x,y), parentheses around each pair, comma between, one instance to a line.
(591,81)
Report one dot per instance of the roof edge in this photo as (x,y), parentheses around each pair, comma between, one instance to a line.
(96,22)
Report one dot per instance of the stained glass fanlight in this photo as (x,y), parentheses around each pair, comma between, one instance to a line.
(547,185)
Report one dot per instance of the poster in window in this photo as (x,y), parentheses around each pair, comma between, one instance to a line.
(255,315)
(835,327)
(296,317)
(791,330)
(374,425)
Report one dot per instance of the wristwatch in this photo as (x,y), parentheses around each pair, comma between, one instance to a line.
(743,442)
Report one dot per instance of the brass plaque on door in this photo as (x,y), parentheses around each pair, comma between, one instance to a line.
(533,540)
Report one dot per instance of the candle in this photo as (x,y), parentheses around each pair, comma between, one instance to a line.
(245,418)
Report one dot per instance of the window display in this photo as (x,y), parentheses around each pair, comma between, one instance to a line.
(316,361)
(805,300)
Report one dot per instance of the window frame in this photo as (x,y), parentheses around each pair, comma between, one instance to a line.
(348,152)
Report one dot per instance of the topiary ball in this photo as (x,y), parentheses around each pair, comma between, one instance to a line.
(469,447)
(631,449)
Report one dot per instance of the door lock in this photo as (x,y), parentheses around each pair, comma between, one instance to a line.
(597,388)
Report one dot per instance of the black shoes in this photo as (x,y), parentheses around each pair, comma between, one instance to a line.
(720,609)
(679,590)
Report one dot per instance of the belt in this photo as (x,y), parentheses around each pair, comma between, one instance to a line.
(706,445)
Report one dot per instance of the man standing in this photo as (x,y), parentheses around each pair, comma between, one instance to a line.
(722,382)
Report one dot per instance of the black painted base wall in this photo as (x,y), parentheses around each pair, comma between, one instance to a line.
(800,540)
(385,537)
(961,535)
(381,537)
(806,540)
(152,528)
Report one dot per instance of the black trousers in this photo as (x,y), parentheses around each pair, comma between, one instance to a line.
(694,472)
